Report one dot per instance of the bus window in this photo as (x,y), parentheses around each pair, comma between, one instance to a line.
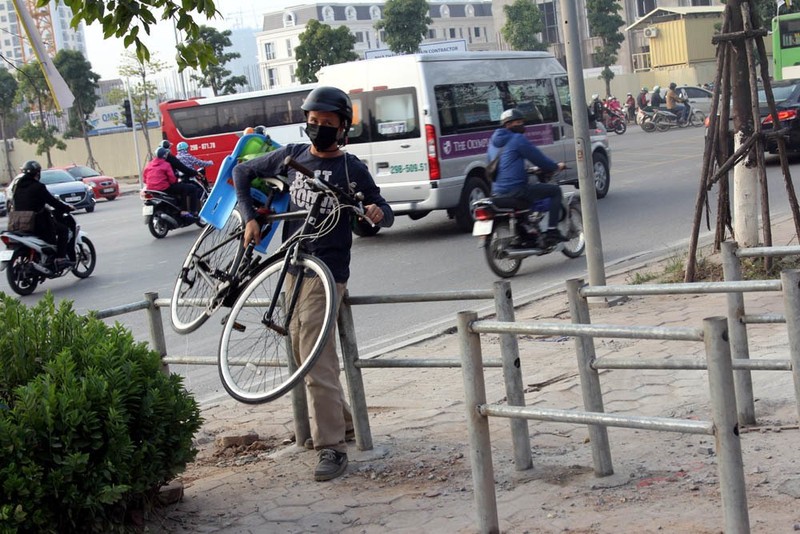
(786,46)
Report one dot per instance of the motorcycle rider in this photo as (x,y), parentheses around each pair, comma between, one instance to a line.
(676,104)
(630,106)
(641,100)
(597,108)
(159,176)
(186,157)
(177,167)
(512,178)
(29,194)
(656,99)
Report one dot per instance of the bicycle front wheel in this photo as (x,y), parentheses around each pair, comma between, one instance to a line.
(256,362)
(207,266)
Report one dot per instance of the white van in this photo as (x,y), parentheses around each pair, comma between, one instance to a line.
(422,123)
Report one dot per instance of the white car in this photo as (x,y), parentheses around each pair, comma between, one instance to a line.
(699,98)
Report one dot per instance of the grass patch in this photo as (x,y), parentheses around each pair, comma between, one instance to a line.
(709,269)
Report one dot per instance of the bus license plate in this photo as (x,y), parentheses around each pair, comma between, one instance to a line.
(147,210)
(482,228)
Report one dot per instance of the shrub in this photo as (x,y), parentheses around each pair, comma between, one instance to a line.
(89,425)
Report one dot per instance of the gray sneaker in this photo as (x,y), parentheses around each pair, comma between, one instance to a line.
(331,465)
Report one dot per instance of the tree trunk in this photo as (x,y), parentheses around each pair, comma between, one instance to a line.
(5,148)
(90,161)
(745,174)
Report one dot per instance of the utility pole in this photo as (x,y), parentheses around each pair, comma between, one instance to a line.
(583,148)
(133,130)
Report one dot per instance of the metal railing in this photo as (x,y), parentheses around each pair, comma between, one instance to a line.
(723,424)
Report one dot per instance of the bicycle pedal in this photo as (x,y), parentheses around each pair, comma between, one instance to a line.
(239,327)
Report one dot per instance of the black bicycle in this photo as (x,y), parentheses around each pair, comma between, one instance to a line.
(256,359)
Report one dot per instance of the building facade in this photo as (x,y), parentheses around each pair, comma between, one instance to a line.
(52,21)
(469,25)
(635,44)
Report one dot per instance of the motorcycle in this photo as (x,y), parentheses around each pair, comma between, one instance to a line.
(615,121)
(644,118)
(511,230)
(665,119)
(29,260)
(162,211)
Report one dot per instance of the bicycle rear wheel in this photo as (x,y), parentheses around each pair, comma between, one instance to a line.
(207,265)
(254,357)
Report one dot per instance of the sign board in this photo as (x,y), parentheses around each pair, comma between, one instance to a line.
(108,119)
(439,47)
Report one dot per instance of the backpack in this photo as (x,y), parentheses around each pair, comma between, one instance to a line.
(493,166)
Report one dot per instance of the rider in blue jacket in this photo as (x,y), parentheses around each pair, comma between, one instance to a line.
(512,178)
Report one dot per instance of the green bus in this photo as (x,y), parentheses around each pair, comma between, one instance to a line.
(786,46)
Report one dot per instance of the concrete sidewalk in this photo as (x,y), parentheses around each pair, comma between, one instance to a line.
(418,479)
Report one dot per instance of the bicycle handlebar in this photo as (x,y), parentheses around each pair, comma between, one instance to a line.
(354,200)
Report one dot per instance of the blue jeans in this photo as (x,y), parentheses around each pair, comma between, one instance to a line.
(682,111)
(534,192)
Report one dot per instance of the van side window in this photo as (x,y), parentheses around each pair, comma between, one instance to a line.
(385,115)
(562,86)
(395,115)
(536,99)
(474,107)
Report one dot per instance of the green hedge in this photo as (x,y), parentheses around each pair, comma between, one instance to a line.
(89,425)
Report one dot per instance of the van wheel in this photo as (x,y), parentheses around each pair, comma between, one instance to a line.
(602,178)
(474,189)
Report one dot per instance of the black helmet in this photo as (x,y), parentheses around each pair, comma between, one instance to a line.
(31,168)
(330,99)
(165,144)
(510,115)
(673,85)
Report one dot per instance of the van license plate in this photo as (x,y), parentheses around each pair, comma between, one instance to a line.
(147,210)
(482,228)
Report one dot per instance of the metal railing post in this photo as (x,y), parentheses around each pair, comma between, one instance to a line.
(737,330)
(726,427)
(302,426)
(512,374)
(156,326)
(791,297)
(480,449)
(355,382)
(590,380)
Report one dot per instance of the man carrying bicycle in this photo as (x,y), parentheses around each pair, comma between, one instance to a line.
(329,114)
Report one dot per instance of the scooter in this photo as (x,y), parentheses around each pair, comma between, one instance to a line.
(665,119)
(644,119)
(29,260)
(615,121)
(510,230)
(162,211)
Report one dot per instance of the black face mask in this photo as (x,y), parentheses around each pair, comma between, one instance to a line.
(519,128)
(322,137)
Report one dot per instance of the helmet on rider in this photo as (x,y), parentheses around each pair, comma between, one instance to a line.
(644,89)
(183,146)
(656,88)
(261,130)
(511,115)
(595,96)
(31,168)
(165,144)
(673,85)
(330,99)
(249,130)
(162,153)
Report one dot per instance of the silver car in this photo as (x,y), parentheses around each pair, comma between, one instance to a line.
(65,187)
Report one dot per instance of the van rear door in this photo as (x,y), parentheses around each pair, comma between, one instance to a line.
(388,136)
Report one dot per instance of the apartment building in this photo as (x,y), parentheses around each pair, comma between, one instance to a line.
(467,26)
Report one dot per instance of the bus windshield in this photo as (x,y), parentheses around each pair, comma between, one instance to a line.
(786,46)
(213,126)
